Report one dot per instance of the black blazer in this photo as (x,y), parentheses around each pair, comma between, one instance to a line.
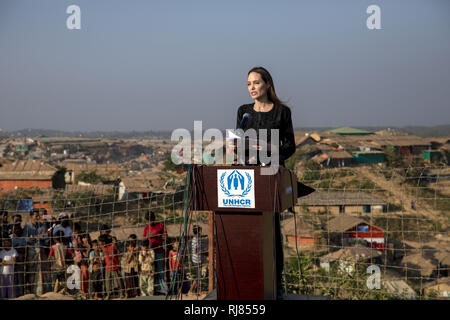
(277,118)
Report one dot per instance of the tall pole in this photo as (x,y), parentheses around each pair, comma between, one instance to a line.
(211,251)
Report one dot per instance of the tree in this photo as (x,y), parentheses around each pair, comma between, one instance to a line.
(90,177)
(312,171)
(393,158)
(169,165)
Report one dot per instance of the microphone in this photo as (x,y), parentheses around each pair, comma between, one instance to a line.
(244,121)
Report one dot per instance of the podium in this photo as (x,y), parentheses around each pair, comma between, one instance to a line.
(245,204)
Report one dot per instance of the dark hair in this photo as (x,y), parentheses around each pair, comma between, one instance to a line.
(104,238)
(76,227)
(105,227)
(17,215)
(43,210)
(17,225)
(95,241)
(3,212)
(33,211)
(132,236)
(146,243)
(267,78)
(152,218)
(65,222)
(196,229)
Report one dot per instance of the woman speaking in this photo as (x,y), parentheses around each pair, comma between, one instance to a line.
(268,112)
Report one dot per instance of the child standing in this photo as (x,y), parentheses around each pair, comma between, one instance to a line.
(112,272)
(175,268)
(146,261)
(157,234)
(84,264)
(8,258)
(19,243)
(131,270)
(59,251)
(96,281)
(96,271)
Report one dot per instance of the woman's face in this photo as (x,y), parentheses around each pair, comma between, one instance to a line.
(256,86)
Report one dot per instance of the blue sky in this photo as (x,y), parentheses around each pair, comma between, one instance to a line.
(160,65)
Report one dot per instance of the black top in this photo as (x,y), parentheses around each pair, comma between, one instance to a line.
(279,117)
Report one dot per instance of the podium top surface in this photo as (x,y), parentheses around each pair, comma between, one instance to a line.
(241,189)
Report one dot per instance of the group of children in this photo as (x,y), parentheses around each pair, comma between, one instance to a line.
(105,271)
(45,253)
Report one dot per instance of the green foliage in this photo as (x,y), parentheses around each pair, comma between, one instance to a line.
(432,294)
(169,165)
(393,158)
(344,173)
(59,201)
(299,153)
(312,171)
(90,177)
(412,227)
(446,154)
(78,199)
(303,277)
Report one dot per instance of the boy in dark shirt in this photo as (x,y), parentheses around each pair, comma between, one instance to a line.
(96,281)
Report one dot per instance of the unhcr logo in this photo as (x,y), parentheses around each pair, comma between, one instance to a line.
(236,188)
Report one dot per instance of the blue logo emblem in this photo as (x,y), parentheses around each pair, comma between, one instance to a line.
(235,184)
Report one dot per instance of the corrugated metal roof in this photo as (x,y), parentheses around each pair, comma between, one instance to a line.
(136,184)
(418,263)
(101,189)
(339,155)
(27,170)
(343,223)
(339,198)
(355,253)
(304,229)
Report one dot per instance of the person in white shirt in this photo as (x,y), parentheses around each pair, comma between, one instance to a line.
(196,256)
(8,259)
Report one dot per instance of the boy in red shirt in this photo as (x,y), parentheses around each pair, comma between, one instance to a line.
(156,233)
(113,279)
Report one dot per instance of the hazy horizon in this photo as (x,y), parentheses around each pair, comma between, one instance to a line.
(159,65)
